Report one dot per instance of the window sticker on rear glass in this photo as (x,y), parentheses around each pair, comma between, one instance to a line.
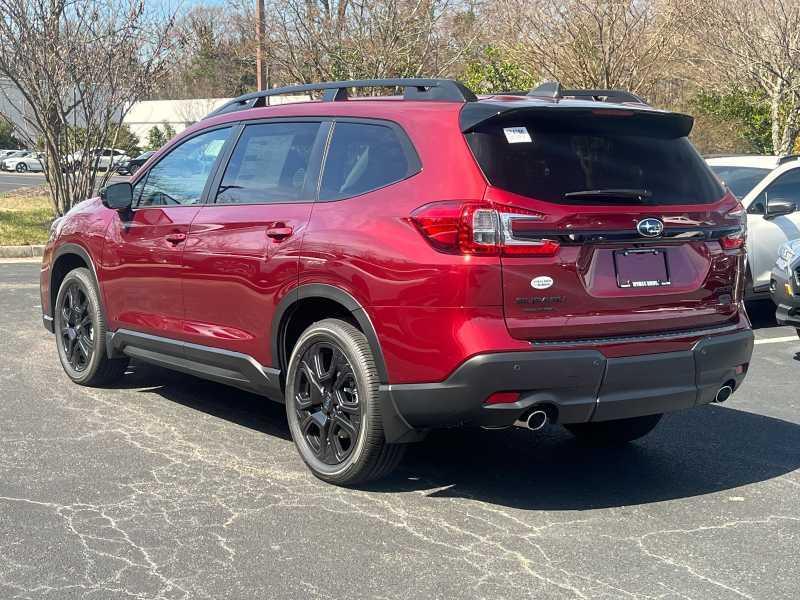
(517,135)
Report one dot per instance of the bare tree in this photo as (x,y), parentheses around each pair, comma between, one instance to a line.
(629,44)
(755,43)
(315,40)
(80,65)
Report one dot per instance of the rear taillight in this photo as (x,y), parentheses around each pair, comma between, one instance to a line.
(480,229)
(736,240)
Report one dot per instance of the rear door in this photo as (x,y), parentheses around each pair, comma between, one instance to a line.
(632,214)
(243,249)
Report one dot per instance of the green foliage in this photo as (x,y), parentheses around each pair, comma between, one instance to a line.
(7,139)
(493,72)
(127,141)
(159,135)
(746,111)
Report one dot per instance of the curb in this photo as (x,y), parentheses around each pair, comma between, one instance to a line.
(21,251)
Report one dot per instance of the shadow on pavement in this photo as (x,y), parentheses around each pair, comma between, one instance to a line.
(693,452)
(221,401)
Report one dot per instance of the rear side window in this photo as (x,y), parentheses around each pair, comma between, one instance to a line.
(270,165)
(364,157)
(555,160)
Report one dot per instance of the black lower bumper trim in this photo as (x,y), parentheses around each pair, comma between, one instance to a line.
(577,385)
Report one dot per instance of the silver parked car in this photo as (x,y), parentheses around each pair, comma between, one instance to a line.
(769,189)
(31,161)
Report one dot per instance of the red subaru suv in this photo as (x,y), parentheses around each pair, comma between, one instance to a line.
(389,265)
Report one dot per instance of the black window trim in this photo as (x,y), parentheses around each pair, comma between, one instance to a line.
(412,157)
(315,161)
(232,125)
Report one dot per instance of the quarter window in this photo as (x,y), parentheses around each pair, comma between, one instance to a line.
(361,158)
(270,164)
(179,177)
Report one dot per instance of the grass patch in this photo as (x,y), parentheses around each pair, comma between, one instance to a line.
(25,218)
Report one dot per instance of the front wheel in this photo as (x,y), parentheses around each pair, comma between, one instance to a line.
(22,167)
(81,330)
(332,406)
(614,433)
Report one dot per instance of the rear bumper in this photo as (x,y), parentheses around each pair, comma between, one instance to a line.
(577,385)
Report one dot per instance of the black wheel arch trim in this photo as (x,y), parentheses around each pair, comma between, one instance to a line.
(83,253)
(395,427)
(328,292)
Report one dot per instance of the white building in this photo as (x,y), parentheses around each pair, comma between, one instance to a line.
(180,114)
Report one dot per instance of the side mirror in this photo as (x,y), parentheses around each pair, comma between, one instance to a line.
(117,196)
(777,207)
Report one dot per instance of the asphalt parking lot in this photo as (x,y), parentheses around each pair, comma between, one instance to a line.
(170,487)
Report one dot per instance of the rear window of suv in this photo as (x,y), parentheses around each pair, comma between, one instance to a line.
(586,161)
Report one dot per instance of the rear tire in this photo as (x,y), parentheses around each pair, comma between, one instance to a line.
(614,433)
(332,406)
(80,329)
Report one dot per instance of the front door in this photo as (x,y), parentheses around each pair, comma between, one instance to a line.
(142,255)
(242,254)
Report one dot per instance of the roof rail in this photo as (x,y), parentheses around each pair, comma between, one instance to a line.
(552,90)
(413,89)
(784,159)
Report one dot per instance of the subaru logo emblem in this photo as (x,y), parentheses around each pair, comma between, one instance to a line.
(650,227)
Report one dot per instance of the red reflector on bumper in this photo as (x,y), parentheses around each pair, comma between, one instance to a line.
(502,398)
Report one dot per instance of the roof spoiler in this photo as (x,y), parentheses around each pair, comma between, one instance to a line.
(630,122)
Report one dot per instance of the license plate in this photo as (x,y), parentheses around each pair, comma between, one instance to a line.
(641,268)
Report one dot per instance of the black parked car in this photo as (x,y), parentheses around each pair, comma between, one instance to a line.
(785,284)
(129,167)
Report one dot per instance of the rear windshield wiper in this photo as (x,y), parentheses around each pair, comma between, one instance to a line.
(611,193)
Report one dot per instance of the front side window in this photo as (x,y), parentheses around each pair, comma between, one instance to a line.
(179,177)
(361,158)
(785,187)
(270,164)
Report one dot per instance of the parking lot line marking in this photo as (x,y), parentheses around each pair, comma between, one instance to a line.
(788,338)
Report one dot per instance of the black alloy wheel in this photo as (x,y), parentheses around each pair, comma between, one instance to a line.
(327,403)
(333,405)
(21,167)
(77,327)
(80,329)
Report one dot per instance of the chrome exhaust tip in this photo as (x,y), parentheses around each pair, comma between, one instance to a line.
(723,393)
(536,420)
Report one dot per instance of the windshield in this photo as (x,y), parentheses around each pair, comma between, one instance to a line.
(596,160)
(740,180)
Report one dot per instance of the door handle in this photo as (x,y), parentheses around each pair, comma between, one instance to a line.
(279,232)
(176,238)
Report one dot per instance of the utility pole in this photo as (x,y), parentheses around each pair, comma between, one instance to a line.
(261,71)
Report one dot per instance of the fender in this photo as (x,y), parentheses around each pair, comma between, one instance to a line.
(329,292)
(71,248)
